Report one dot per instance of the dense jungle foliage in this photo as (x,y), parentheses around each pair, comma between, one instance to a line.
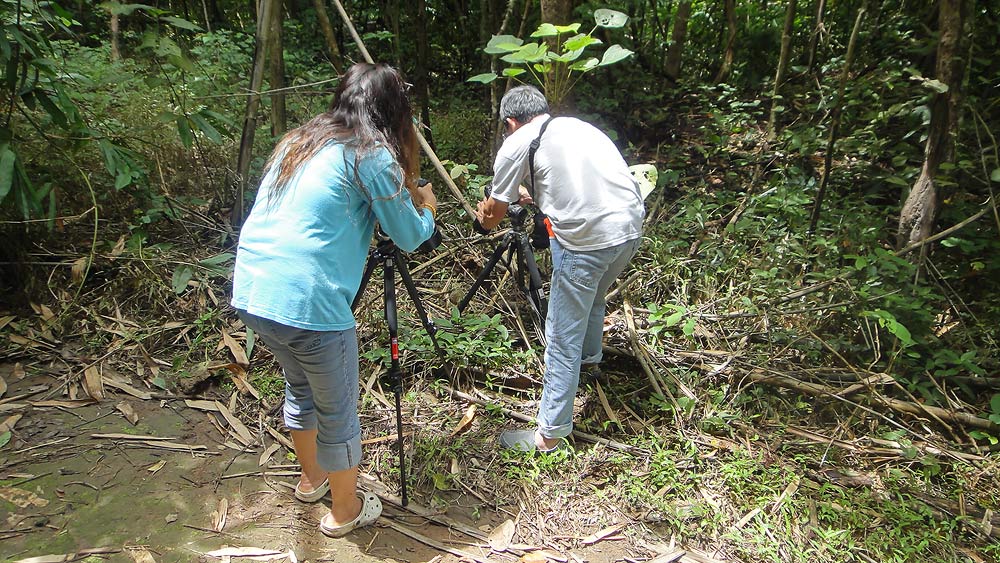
(824,208)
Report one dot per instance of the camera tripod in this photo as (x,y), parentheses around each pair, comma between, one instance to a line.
(388,255)
(515,248)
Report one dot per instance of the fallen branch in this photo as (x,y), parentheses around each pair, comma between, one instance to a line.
(816,389)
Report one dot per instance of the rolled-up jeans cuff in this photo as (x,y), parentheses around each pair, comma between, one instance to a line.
(554,432)
(594,359)
(340,456)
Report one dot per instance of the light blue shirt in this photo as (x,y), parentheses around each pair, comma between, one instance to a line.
(300,259)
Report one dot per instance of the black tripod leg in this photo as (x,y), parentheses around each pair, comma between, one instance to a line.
(506,244)
(411,288)
(369,268)
(395,373)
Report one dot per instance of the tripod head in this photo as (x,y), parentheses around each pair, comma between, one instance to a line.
(517,214)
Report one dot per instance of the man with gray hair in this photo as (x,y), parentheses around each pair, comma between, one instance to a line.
(577,176)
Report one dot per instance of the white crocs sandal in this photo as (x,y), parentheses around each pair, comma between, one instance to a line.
(315,495)
(371,509)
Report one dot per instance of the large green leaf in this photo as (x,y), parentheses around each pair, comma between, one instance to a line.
(485,78)
(205,127)
(995,175)
(182,276)
(528,53)
(549,30)
(585,65)
(614,54)
(184,130)
(609,18)
(566,57)
(181,23)
(7,159)
(500,44)
(580,41)
(513,71)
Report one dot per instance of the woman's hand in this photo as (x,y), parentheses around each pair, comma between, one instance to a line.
(424,195)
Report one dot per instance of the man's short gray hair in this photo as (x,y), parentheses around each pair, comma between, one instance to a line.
(523,103)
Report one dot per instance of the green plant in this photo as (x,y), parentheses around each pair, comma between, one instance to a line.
(554,71)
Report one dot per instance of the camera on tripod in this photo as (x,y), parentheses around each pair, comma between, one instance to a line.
(518,215)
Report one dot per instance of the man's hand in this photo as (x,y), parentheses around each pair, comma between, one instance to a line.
(489,212)
(525,197)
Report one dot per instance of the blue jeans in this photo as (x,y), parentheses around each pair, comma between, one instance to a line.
(321,386)
(574,326)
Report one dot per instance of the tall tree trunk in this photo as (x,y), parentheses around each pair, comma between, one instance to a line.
(276,53)
(208,20)
(253,104)
(326,26)
(818,31)
(495,86)
(835,119)
(116,54)
(779,76)
(421,82)
(557,12)
(919,212)
(728,54)
(677,38)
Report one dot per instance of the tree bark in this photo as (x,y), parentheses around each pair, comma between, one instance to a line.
(728,54)
(420,79)
(253,104)
(276,53)
(779,75)
(677,39)
(920,208)
(116,54)
(333,49)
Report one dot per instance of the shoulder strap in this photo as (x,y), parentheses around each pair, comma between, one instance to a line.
(533,147)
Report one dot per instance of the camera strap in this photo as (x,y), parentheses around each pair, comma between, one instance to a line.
(533,148)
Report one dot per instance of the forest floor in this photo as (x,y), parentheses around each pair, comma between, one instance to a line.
(139,421)
(140,476)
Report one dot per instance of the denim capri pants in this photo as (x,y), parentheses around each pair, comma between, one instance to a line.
(321,386)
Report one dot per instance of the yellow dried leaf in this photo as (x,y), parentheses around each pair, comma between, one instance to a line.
(18,371)
(79,269)
(501,537)
(141,555)
(156,466)
(463,425)
(601,534)
(93,383)
(21,498)
(128,412)
(3,386)
(236,349)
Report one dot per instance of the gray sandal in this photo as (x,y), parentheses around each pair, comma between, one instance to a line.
(524,441)
(371,509)
(315,495)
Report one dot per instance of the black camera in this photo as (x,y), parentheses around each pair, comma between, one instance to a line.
(518,216)
(435,239)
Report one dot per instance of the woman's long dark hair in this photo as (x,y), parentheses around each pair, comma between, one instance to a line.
(370,109)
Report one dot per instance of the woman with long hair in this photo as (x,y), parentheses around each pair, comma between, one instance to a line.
(300,261)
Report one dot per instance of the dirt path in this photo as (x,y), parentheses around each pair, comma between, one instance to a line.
(75,479)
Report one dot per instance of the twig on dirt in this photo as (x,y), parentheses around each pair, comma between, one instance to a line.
(431,542)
